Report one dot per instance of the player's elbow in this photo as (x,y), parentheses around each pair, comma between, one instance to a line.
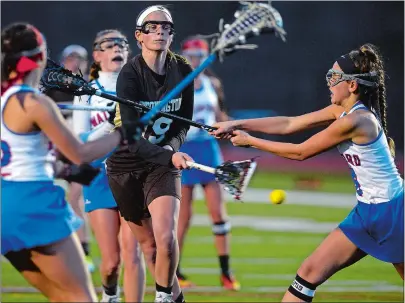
(301,157)
(297,157)
(288,126)
(85,154)
(79,158)
(82,155)
(302,153)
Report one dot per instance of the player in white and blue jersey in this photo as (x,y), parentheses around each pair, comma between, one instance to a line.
(208,108)
(357,125)
(37,225)
(113,235)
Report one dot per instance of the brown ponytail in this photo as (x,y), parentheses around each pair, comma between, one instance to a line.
(368,58)
(94,69)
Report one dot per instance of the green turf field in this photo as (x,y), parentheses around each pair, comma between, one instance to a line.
(338,183)
(269,243)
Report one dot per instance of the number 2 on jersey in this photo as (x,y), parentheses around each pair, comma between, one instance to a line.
(5,157)
(356,183)
(5,153)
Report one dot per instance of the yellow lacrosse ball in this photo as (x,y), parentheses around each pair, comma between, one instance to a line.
(277,196)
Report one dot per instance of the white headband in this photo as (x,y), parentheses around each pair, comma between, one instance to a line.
(151,9)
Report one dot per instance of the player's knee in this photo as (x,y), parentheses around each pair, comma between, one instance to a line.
(217,215)
(221,228)
(189,215)
(311,271)
(165,242)
(111,264)
(131,254)
(302,289)
(185,216)
(148,248)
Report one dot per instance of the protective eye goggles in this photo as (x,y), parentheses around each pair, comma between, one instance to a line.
(109,43)
(153,26)
(334,77)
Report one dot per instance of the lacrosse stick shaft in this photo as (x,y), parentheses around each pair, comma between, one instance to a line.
(178,89)
(207,169)
(130,103)
(143,108)
(86,107)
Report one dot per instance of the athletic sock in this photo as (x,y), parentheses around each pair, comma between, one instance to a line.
(224,263)
(180,298)
(86,248)
(110,290)
(167,290)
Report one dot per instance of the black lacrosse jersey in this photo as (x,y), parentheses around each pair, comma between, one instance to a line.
(137,82)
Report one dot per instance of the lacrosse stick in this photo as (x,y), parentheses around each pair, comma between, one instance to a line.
(249,22)
(234,176)
(86,107)
(253,18)
(137,106)
(58,78)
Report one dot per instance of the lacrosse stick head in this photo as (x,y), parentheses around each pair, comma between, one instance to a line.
(59,78)
(235,176)
(253,19)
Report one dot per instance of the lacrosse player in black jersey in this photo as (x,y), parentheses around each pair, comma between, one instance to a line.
(145,176)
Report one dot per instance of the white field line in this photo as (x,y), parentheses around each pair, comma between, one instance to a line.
(285,224)
(295,197)
(246,240)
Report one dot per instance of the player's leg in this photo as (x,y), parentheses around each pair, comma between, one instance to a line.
(75,199)
(58,270)
(334,253)
(143,232)
(165,212)
(106,226)
(186,213)
(163,193)
(36,217)
(128,191)
(374,229)
(221,228)
(134,265)
(21,260)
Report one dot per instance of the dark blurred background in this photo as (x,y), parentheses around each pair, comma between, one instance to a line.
(277,78)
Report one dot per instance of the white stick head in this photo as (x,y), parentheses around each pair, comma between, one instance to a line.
(235,176)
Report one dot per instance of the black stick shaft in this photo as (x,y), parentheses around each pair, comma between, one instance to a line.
(143,108)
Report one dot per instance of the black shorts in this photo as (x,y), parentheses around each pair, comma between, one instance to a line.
(134,191)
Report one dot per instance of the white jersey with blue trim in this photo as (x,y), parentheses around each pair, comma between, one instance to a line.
(374,172)
(205,106)
(24,157)
(84,121)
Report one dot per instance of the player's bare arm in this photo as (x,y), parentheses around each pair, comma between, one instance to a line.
(44,113)
(282,125)
(339,131)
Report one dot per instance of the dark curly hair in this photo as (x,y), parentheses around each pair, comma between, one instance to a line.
(369,59)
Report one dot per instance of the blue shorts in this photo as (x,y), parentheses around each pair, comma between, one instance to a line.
(98,194)
(378,229)
(206,152)
(34,214)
